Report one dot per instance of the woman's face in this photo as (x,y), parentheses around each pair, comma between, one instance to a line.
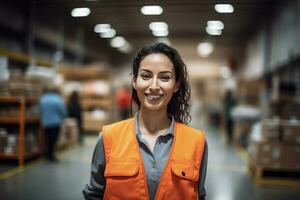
(155,83)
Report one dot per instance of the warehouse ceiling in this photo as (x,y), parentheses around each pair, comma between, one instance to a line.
(186,20)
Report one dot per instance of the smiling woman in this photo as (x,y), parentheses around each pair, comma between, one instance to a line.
(153,155)
(155,85)
(160,56)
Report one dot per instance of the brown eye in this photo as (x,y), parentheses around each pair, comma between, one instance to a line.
(165,78)
(145,76)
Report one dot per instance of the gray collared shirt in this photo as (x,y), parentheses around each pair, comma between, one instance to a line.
(154,164)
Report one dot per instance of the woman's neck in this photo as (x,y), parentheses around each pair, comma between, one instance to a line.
(153,122)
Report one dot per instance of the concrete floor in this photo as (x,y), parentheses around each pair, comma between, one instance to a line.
(227,177)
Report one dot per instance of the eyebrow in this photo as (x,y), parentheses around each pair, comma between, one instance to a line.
(163,72)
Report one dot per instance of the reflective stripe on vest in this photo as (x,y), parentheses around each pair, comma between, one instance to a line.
(125,173)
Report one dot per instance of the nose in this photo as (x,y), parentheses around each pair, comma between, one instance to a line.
(154,85)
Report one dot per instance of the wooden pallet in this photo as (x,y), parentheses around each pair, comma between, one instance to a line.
(274,177)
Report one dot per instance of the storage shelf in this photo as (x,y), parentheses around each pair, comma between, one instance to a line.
(24,58)
(17,99)
(14,120)
(8,156)
(21,119)
(16,156)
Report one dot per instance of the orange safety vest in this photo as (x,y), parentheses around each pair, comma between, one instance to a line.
(125,173)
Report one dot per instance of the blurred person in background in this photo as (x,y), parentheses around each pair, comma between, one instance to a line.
(52,113)
(123,99)
(155,154)
(74,111)
(229,102)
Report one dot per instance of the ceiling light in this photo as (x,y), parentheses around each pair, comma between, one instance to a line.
(224,8)
(110,33)
(164,40)
(204,49)
(118,42)
(80,12)
(102,28)
(151,10)
(163,33)
(215,25)
(212,31)
(225,72)
(158,26)
(126,48)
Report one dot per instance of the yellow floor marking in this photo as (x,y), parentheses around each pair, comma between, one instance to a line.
(11,172)
(21,168)
(243,154)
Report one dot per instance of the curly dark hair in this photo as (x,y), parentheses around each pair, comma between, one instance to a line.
(178,106)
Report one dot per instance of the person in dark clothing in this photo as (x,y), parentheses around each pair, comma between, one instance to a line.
(74,111)
(228,104)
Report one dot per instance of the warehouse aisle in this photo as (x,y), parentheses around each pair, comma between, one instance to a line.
(62,180)
(227,178)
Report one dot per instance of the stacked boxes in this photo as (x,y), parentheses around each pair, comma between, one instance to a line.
(291,140)
(266,154)
(271,130)
(278,145)
(69,133)
(9,141)
(11,144)
(3,140)
(291,132)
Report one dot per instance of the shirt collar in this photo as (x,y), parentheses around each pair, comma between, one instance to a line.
(139,133)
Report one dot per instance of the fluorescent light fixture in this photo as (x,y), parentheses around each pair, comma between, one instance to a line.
(158,26)
(118,42)
(162,33)
(164,40)
(225,72)
(211,31)
(80,12)
(204,49)
(215,25)
(102,28)
(224,8)
(126,48)
(110,33)
(151,10)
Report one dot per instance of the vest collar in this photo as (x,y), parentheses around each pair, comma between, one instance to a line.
(139,133)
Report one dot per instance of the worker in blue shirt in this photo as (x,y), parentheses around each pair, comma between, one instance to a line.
(52,113)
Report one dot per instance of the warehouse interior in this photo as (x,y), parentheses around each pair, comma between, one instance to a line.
(243,61)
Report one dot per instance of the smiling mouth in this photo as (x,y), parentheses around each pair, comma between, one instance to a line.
(153,97)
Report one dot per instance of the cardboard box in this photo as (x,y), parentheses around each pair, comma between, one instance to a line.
(266,154)
(93,122)
(271,130)
(291,157)
(69,133)
(291,132)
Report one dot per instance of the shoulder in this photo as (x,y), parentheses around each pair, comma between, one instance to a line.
(118,124)
(117,127)
(190,130)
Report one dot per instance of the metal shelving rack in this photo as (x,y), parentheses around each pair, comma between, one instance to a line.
(21,121)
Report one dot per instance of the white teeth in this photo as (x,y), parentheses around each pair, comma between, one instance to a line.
(153,97)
